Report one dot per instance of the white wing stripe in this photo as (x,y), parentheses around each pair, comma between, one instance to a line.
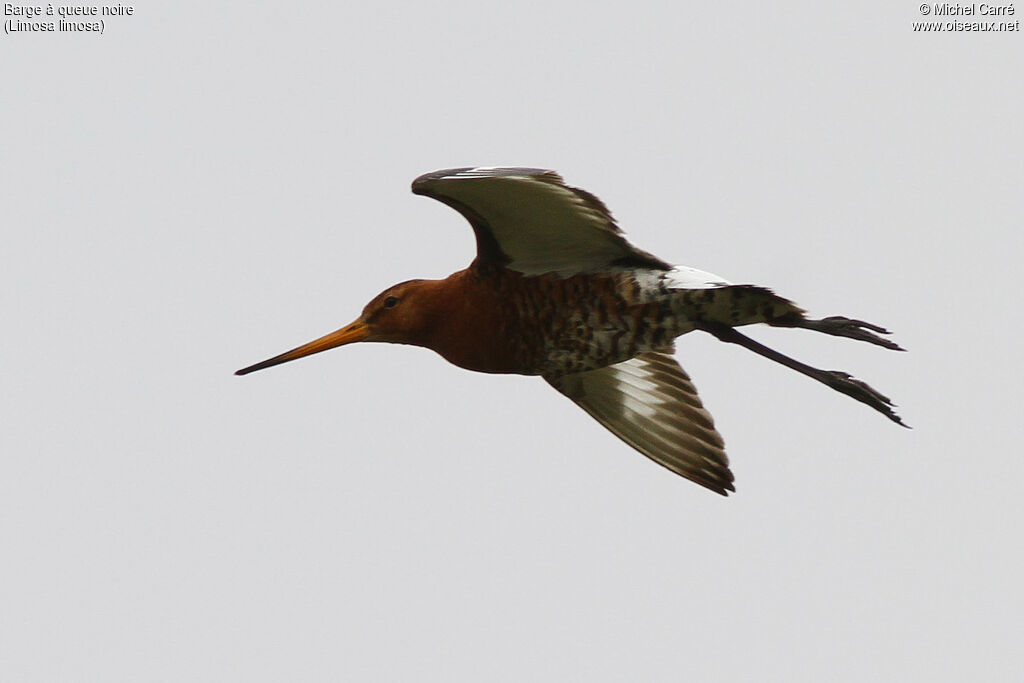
(696,416)
(538,222)
(650,403)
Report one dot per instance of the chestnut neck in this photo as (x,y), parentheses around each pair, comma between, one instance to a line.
(462,322)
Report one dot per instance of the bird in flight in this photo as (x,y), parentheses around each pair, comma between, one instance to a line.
(557,291)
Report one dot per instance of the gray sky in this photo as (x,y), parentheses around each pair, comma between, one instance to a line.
(205,185)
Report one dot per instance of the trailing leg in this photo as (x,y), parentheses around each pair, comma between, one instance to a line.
(840,326)
(736,305)
(836,379)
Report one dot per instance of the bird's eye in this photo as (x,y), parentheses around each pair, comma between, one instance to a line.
(391,302)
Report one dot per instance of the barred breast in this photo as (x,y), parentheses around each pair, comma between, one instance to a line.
(584,322)
(565,325)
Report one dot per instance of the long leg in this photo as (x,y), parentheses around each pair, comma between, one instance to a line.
(838,380)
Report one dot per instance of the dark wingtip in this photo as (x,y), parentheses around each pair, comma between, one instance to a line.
(418,185)
(888,411)
(721,488)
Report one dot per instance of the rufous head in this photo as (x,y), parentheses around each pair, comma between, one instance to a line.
(400,314)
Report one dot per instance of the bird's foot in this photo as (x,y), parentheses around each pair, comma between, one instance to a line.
(845,383)
(840,326)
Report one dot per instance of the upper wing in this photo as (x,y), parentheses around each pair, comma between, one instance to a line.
(530,221)
(650,403)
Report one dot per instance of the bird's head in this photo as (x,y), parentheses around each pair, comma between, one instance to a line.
(401,314)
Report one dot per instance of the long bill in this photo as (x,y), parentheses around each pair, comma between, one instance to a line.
(357,331)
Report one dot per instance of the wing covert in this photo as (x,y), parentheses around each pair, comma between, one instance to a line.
(530,221)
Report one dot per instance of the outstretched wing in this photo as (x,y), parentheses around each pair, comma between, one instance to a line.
(530,221)
(650,403)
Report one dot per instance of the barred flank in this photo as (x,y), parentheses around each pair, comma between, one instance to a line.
(735,305)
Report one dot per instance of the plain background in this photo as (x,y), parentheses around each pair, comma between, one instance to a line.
(208,184)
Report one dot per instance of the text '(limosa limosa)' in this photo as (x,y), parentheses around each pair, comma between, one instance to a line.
(556,290)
